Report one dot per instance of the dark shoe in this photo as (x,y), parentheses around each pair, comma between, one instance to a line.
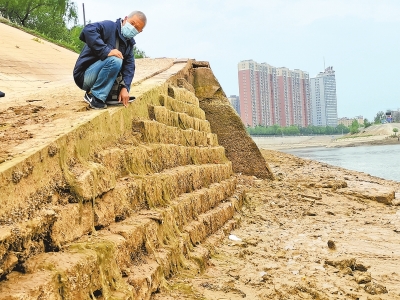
(2,94)
(116,102)
(93,101)
(88,97)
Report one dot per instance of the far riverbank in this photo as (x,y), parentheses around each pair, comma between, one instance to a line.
(329,141)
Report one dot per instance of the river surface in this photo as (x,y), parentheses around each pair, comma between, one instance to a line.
(381,161)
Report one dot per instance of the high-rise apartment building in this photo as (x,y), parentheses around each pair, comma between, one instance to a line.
(323,99)
(234,101)
(270,95)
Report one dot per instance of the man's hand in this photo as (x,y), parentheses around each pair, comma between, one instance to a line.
(124,96)
(116,52)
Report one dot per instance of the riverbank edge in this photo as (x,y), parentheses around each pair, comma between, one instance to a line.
(349,142)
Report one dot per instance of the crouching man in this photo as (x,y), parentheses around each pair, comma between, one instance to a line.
(108,53)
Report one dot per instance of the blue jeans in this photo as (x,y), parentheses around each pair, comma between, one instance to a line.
(100,76)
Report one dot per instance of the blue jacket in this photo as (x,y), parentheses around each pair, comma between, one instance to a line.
(100,39)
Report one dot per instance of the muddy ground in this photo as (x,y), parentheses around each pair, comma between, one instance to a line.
(313,233)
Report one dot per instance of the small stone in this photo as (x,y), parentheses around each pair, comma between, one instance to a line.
(270,266)
(264,276)
(234,274)
(347,271)
(10,262)
(360,267)
(375,288)
(252,242)
(331,245)
(362,277)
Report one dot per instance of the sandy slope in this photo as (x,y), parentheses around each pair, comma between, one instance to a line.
(382,129)
(286,227)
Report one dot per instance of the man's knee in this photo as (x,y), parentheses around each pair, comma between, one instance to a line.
(114,62)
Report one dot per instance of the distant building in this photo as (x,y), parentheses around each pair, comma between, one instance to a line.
(396,116)
(388,116)
(323,99)
(348,121)
(270,95)
(235,102)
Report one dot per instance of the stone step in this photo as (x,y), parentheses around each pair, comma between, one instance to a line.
(65,223)
(115,296)
(180,120)
(209,222)
(182,93)
(154,158)
(33,177)
(157,133)
(79,219)
(73,274)
(181,107)
(144,248)
(94,180)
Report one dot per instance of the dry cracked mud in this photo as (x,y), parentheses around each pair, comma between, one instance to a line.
(315,232)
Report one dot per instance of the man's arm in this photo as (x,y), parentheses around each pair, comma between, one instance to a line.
(92,35)
(127,72)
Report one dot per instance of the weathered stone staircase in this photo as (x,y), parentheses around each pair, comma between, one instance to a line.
(118,204)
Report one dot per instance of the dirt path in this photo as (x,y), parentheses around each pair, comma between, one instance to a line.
(305,236)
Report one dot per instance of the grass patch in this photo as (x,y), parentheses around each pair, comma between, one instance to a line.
(36,39)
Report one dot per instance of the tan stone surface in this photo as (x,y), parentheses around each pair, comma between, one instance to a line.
(225,122)
(42,100)
(370,190)
(60,196)
(291,227)
(283,248)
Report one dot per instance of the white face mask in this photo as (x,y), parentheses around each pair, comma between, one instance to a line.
(129,31)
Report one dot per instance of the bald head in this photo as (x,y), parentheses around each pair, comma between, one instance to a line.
(141,16)
(137,19)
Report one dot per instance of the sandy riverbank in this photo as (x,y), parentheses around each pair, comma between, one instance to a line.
(315,232)
(291,142)
(378,134)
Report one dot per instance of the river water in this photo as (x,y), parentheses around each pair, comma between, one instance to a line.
(381,161)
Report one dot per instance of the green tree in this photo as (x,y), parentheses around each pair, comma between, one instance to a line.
(379,116)
(395,130)
(29,13)
(342,129)
(354,127)
(139,53)
(367,123)
(75,33)
(329,130)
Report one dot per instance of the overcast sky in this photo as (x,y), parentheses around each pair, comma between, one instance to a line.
(359,38)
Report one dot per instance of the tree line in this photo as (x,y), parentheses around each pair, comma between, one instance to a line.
(276,130)
(54,20)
